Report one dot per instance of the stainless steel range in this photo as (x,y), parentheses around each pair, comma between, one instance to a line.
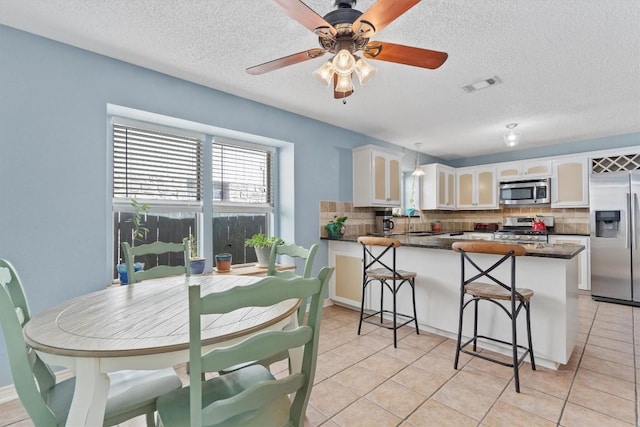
(518,229)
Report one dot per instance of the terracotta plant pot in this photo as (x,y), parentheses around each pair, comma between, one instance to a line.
(223,262)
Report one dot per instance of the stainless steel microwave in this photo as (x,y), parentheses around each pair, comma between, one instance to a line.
(531,192)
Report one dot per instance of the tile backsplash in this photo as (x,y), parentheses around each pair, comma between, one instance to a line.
(361,220)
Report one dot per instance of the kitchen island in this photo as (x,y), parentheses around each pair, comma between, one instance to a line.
(551,271)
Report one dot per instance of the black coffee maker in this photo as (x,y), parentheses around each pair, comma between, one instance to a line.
(384,222)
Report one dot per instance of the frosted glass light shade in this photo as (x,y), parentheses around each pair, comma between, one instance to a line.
(344,63)
(364,70)
(344,83)
(324,74)
(512,136)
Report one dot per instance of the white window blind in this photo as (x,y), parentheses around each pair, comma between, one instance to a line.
(149,164)
(242,175)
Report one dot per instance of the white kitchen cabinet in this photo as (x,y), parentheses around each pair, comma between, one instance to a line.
(584,257)
(513,171)
(570,183)
(438,187)
(376,177)
(476,188)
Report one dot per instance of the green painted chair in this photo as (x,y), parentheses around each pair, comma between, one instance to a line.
(294,251)
(131,393)
(156,248)
(249,396)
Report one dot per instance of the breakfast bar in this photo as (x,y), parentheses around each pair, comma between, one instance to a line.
(551,271)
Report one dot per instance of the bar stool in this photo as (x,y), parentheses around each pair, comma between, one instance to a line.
(495,292)
(377,269)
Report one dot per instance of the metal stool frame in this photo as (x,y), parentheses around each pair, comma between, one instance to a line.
(376,270)
(473,288)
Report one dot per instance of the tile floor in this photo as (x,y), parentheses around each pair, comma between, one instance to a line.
(364,381)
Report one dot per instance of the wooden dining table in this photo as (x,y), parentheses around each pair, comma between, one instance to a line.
(139,326)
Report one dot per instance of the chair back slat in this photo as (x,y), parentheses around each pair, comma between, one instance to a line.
(32,378)
(293,251)
(266,292)
(156,248)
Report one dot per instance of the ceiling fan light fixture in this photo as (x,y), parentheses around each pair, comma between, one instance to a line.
(364,70)
(344,63)
(324,74)
(512,136)
(344,83)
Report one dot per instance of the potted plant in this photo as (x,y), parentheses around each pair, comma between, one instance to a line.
(137,232)
(336,227)
(262,245)
(196,262)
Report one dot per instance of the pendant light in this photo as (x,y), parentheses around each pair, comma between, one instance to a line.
(417,171)
(512,136)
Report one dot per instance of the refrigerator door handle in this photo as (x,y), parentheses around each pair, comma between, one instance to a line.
(630,222)
(634,219)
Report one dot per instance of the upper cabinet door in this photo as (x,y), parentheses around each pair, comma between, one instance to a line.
(514,171)
(376,177)
(570,183)
(477,188)
(438,187)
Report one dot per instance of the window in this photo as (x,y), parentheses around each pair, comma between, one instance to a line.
(160,168)
(164,167)
(243,196)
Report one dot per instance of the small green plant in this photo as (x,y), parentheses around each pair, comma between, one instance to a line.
(139,230)
(334,227)
(193,246)
(259,240)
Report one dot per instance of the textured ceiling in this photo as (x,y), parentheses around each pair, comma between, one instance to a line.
(570,69)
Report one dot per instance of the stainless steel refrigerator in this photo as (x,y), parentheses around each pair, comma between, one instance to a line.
(615,247)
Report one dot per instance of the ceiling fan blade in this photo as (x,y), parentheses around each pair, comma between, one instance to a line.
(303,14)
(406,55)
(286,61)
(382,13)
(336,94)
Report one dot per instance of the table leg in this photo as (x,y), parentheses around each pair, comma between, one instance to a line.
(90,395)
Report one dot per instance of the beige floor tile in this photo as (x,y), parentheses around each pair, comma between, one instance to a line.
(464,399)
(425,341)
(609,354)
(623,319)
(606,367)
(434,414)
(330,363)
(435,364)
(381,364)
(359,379)
(504,415)
(12,412)
(329,341)
(481,381)
(314,417)
(624,334)
(373,342)
(609,343)
(354,351)
(330,397)
(605,403)
(534,401)
(606,383)
(553,382)
(364,413)
(396,398)
(420,381)
(406,354)
(579,416)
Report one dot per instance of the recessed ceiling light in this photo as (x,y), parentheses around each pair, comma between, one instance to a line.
(482,84)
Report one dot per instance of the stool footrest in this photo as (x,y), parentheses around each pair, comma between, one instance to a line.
(365,318)
(491,359)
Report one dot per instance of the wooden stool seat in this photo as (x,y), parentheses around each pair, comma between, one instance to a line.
(486,290)
(383,273)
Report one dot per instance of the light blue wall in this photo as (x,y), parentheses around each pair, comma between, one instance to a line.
(55,198)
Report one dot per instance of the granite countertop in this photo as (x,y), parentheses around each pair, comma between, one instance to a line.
(444,241)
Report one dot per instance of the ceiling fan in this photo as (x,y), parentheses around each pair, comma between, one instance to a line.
(345,31)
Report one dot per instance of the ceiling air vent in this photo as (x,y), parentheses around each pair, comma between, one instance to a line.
(482,84)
